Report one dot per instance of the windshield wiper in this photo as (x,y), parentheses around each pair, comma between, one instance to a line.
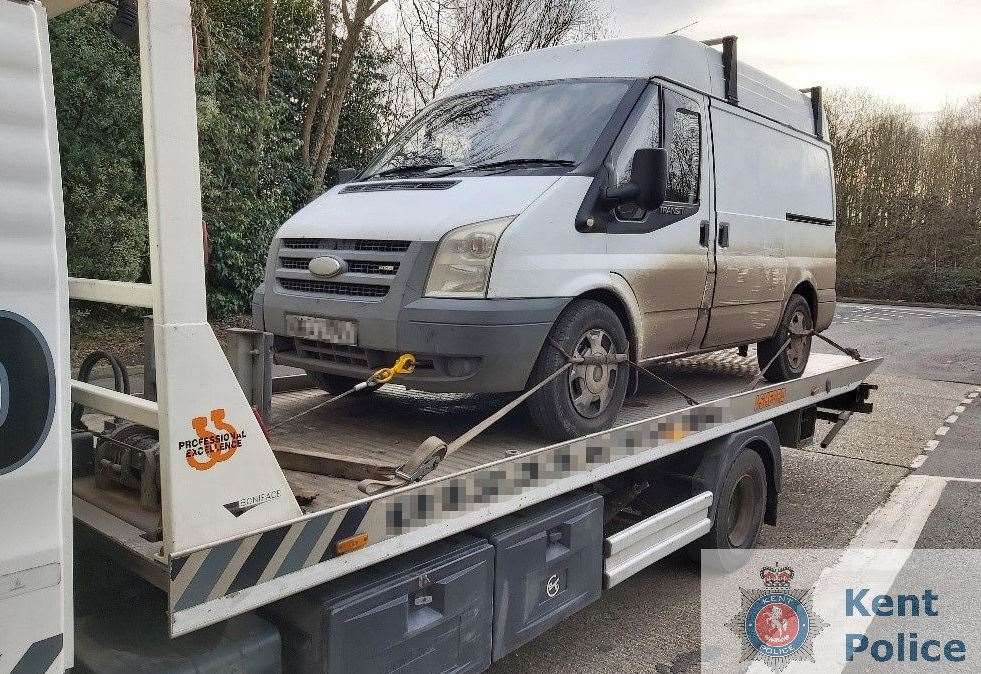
(508,163)
(412,168)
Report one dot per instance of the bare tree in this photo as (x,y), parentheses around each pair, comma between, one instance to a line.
(326,98)
(909,199)
(439,40)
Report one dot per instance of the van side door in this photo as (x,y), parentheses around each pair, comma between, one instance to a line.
(751,257)
(664,254)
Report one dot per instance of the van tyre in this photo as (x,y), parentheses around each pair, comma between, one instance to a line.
(587,398)
(336,384)
(740,506)
(797,317)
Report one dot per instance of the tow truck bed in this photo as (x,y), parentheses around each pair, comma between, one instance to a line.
(504,470)
(387,426)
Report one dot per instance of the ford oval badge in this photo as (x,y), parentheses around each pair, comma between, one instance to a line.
(326,266)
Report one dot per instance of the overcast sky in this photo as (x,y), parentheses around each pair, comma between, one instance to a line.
(919,53)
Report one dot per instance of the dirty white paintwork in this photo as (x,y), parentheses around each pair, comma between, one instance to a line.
(763,172)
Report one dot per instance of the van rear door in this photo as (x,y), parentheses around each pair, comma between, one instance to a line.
(35,463)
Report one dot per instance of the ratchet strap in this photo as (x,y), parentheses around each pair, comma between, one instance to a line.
(433,450)
(852,353)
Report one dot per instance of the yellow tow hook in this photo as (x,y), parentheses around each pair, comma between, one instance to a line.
(404,364)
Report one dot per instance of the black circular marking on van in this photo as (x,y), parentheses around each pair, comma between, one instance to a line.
(27,401)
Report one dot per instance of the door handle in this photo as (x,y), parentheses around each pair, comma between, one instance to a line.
(703,233)
(723,234)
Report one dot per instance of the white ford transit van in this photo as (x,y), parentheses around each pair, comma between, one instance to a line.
(648,196)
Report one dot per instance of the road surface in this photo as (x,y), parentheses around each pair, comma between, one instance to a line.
(650,623)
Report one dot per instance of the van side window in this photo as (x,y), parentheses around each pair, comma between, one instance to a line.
(644,131)
(684,157)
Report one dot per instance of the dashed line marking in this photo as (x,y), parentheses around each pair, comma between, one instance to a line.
(918,461)
(932,445)
(942,430)
(951,419)
(960,409)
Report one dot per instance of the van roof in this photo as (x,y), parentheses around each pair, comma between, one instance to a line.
(673,57)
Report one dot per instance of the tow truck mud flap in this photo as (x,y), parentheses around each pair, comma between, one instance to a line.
(549,565)
(428,611)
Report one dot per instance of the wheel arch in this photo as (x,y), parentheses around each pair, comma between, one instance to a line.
(806,290)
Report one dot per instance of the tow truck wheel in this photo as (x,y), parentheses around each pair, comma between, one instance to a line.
(336,384)
(587,398)
(740,505)
(791,363)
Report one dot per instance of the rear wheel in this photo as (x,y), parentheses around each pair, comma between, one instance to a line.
(587,398)
(741,503)
(791,363)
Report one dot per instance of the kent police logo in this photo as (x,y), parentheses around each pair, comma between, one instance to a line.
(777,623)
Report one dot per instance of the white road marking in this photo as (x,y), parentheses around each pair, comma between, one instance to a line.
(876,554)
(951,419)
(881,547)
(960,409)
(921,311)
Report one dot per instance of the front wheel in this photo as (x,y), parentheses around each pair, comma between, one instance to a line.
(586,398)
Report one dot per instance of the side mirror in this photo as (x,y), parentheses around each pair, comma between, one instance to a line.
(648,180)
(346,175)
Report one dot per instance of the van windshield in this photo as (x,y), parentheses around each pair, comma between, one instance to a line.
(506,129)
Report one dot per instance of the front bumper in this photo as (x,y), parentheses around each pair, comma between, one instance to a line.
(471,346)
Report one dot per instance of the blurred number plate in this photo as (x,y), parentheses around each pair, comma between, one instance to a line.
(322,329)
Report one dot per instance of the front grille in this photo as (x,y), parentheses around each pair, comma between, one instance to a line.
(334,353)
(334,288)
(353,266)
(370,267)
(294,262)
(373,245)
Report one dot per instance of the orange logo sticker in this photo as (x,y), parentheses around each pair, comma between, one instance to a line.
(210,448)
(777,396)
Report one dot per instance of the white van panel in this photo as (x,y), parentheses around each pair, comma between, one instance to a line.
(763,173)
(541,254)
(764,170)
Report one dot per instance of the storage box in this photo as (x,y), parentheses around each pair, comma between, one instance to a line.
(428,611)
(549,564)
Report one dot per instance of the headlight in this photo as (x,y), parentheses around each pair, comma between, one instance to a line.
(463,259)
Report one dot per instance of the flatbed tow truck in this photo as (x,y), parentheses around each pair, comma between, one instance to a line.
(236,499)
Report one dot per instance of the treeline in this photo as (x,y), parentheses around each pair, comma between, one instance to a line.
(909,200)
(290,91)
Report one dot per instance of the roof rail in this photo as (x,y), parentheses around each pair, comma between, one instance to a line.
(729,65)
(817,110)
